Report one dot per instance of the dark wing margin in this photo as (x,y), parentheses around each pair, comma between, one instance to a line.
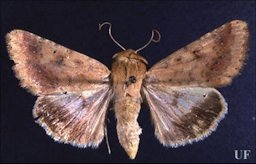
(74,118)
(183,115)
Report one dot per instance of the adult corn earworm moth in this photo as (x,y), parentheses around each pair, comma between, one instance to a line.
(75,90)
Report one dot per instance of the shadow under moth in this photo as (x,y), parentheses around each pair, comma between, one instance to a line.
(74,90)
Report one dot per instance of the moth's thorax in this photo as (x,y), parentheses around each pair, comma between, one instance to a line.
(128,71)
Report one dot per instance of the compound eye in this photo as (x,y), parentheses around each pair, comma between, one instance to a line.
(132,79)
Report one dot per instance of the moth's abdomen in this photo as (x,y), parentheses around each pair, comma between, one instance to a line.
(128,129)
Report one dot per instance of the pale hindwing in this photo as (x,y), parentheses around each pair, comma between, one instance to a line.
(45,67)
(77,118)
(211,61)
(182,115)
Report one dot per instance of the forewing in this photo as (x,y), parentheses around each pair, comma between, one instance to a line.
(182,115)
(45,67)
(74,118)
(212,61)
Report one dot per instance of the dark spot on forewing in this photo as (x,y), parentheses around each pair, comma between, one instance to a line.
(178,59)
(59,61)
(78,62)
(197,54)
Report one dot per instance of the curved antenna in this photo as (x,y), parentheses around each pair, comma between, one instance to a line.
(151,40)
(110,33)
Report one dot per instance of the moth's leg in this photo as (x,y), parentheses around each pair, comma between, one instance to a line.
(106,136)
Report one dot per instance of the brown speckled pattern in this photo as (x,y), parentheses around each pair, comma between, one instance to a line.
(211,61)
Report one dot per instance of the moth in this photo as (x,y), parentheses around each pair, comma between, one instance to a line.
(74,90)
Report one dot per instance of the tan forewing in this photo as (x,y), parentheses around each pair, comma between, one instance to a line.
(213,60)
(45,67)
(182,115)
(77,118)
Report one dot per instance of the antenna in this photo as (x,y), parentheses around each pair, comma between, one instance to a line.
(110,33)
(151,40)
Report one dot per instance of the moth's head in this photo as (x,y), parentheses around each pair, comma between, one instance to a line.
(129,54)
